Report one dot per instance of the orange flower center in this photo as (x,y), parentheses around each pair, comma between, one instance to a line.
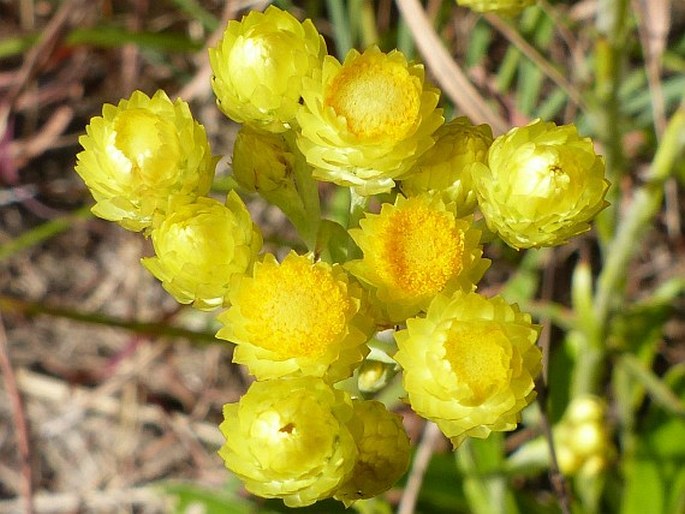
(296,309)
(378,97)
(421,249)
(479,353)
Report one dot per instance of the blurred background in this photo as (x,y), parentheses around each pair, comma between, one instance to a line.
(111,392)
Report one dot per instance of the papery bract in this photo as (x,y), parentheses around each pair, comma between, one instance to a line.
(297,318)
(542,185)
(446,167)
(367,120)
(383,447)
(202,249)
(259,65)
(142,154)
(413,250)
(469,365)
(288,439)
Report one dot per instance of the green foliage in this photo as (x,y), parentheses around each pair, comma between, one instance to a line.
(608,340)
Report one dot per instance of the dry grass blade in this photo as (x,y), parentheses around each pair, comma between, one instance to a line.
(424,452)
(448,74)
(21,429)
(529,51)
(654,23)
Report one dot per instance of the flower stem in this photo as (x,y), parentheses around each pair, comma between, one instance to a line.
(610,55)
(163,329)
(609,294)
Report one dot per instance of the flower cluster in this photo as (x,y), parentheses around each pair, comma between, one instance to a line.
(582,438)
(303,325)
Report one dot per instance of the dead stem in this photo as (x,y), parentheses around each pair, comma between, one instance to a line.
(21,429)
(422,458)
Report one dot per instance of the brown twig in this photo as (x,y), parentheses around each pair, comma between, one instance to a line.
(41,52)
(422,458)
(449,75)
(21,428)
(555,476)
(558,481)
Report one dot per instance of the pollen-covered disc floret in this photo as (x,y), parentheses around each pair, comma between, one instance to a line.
(366,121)
(202,249)
(288,438)
(509,7)
(259,65)
(383,447)
(542,185)
(297,318)
(415,249)
(141,154)
(446,167)
(469,365)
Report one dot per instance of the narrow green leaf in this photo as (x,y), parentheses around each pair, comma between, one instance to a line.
(42,233)
(114,37)
(194,9)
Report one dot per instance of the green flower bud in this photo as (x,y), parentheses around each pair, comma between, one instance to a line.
(141,155)
(509,7)
(383,452)
(202,249)
(259,66)
(542,185)
(289,439)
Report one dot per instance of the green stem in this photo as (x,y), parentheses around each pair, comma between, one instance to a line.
(609,294)
(9,304)
(342,33)
(309,221)
(610,55)
(645,206)
(358,205)
(42,232)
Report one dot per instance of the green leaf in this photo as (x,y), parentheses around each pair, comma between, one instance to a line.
(655,473)
(214,501)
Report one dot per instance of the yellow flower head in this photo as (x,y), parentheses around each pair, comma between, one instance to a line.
(446,167)
(202,249)
(383,447)
(288,438)
(414,250)
(297,318)
(583,443)
(469,365)
(262,162)
(366,121)
(542,185)
(509,7)
(259,65)
(140,155)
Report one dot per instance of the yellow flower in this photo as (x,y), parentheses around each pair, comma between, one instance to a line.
(414,250)
(446,167)
(509,7)
(469,365)
(262,162)
(272,165)
(202,249)
(288,438)
(383,447)
(141,154)
(297,318)
(259,65)
(366,121)
(542,185)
